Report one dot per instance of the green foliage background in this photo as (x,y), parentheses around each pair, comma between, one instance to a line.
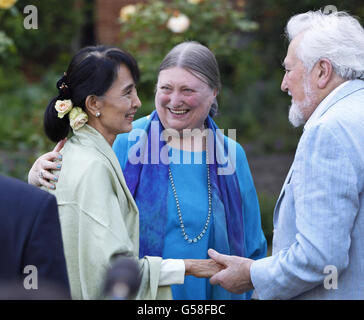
(29,68)
(248,42)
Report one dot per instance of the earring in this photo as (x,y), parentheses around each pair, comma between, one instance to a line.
(98,114)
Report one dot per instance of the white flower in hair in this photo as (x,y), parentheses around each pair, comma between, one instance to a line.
(78,118)
(63,107)
(178,23)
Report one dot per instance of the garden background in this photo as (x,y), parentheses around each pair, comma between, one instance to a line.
(246,36)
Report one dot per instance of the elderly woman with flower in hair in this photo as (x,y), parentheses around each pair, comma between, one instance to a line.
(192,184)
(99,218)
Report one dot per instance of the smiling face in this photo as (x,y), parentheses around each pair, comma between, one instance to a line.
(118,105)
(182,100)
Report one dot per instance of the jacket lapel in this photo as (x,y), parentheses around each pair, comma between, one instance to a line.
(288,178)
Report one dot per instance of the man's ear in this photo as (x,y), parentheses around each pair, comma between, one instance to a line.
(324,72)
(93,105)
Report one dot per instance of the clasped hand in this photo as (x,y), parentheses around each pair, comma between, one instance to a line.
(235,276)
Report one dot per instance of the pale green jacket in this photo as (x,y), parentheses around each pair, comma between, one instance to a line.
(99,218)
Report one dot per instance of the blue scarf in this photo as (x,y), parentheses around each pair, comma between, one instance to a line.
(149,182)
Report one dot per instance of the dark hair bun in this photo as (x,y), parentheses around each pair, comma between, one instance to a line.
(64,92)
(92,71)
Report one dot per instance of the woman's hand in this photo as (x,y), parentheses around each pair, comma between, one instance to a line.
(204,268)
(39,174)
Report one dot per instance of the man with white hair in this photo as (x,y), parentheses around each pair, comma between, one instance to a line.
(318,220)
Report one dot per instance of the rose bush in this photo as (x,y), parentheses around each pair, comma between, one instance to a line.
(155,26)
(6,43)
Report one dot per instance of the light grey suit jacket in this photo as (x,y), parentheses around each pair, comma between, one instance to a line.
(319,216)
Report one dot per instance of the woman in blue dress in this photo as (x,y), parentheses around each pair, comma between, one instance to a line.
(191,183)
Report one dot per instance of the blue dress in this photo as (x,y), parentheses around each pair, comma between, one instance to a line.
(194,209)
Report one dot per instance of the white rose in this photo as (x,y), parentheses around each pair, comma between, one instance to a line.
(63,107)
(179,23)
(77,118)
(195,1)
(126,12)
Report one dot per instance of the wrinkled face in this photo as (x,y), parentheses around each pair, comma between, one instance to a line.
(297,83)
(182,100)
(119,104)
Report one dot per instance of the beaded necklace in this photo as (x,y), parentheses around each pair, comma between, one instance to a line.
(202,233)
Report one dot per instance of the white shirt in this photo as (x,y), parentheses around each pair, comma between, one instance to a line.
(172,272)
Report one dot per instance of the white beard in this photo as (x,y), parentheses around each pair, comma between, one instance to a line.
(296,115)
